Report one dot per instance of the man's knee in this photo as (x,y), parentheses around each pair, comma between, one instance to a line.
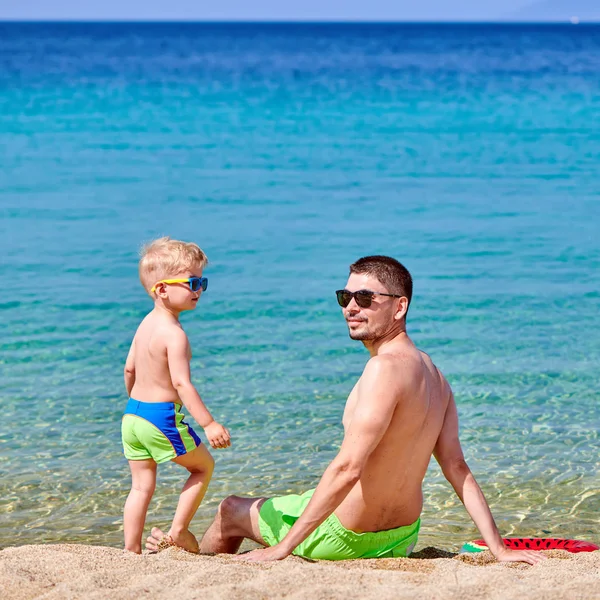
(231,508)
(237,516)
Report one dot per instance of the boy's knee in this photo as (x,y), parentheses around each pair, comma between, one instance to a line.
(203,464)
(211,464)
(144,489)
(206,466)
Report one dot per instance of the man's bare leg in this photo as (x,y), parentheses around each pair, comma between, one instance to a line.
(236,519)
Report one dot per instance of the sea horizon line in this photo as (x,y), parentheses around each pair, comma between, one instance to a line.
(132,21)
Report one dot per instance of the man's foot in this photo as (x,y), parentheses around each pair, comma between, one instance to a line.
(157,540)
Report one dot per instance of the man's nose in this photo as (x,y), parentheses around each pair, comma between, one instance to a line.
(353,306)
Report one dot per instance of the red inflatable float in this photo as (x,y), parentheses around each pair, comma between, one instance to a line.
(535,544)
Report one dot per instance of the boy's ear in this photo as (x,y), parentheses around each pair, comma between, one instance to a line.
(161,290)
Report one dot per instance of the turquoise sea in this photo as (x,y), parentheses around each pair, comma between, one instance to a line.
(470,153)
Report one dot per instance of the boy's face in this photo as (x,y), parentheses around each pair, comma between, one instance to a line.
(179,295)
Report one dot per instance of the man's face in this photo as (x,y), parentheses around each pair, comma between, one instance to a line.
(374,322)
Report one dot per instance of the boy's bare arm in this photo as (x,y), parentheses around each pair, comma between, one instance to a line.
(178,349)
(129,372)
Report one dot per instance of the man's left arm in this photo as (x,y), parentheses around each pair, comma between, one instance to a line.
(378,392)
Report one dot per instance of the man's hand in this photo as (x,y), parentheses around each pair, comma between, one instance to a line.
(527,556)
(217,435)
(265,554)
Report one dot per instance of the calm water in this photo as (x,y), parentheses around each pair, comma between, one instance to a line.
(469,153)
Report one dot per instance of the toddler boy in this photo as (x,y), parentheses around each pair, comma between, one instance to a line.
(157,378)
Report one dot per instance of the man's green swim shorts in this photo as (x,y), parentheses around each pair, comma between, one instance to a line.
(331,540)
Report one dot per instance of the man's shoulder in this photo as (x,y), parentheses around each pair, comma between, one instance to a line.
(400,359)
(389,360)
(397,369)
(433,367)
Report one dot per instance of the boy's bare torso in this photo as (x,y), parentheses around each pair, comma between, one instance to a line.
(389,493)
(153,379)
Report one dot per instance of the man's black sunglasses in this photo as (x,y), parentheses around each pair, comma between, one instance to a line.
(363,298)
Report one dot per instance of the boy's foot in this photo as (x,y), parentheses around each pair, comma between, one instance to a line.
(186,540)
(152,541)
(157,540)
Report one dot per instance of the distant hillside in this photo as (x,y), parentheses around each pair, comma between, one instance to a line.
(559,10)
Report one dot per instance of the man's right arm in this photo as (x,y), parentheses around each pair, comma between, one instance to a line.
(449,454)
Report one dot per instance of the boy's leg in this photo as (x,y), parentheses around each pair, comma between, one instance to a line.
(200,464)
(143,483)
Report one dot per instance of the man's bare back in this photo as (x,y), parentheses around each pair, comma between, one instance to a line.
(388,494)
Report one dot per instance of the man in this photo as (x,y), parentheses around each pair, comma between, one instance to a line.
(400,412)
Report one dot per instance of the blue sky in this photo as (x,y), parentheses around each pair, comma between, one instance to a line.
(261,9)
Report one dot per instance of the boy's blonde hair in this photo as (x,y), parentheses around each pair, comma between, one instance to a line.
(164,258)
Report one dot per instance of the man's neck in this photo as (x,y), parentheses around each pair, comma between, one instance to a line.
(395,335)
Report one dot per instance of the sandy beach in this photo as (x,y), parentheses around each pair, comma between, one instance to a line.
(81,571)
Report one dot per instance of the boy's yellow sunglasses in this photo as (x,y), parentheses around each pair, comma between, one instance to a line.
(196,283)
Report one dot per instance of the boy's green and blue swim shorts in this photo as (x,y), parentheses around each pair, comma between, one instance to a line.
(331,540)
(156,430)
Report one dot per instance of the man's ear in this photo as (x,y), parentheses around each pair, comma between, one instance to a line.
(402,308)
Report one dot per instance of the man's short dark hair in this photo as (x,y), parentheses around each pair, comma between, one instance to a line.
(388,271)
